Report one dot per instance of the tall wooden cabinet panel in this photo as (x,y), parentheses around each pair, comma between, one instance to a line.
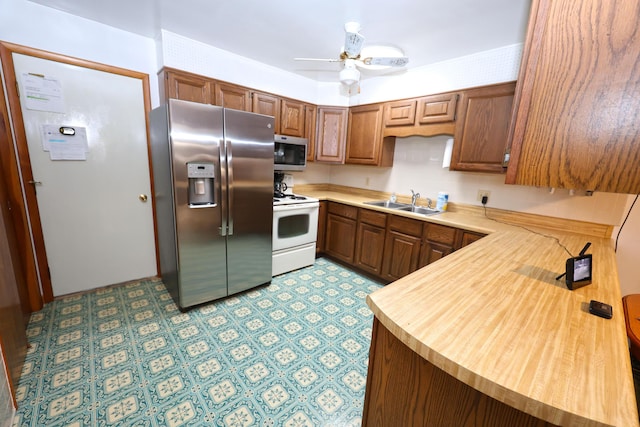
(185,86)
(340,237)
(482,127)
(269,105)
(576,120)
(322,227)
(292,117)
(310,120)
(332,134)
(232,96)
(365,144)
(370,240)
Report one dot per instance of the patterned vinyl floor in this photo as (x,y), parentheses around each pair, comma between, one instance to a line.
(293,353)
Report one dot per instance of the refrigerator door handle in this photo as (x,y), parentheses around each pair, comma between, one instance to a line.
(223,188)
(230,187)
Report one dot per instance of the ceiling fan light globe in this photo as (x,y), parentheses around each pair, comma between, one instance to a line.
(349,76)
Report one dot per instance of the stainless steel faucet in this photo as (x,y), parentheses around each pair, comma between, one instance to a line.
(414,197)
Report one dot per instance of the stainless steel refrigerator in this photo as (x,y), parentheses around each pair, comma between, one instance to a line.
(213,187)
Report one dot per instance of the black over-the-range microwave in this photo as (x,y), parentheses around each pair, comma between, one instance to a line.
(290,153)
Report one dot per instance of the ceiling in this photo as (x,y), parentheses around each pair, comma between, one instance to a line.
(274,32)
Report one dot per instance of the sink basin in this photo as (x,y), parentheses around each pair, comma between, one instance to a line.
(420,210)
(388,204)
(402,207)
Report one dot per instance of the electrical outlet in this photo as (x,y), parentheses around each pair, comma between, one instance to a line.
(483,193)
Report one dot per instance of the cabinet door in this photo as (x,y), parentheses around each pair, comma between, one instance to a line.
(310,130)
(365,145)
(292,117)
(269,105)
(402,253)
(432,251)
(370,241)
(482,127)
(467,238)
(232,96)
(340,239)
(188,87)
(437,108)
(576,122)
(322,227)
(332,134)
(400,113)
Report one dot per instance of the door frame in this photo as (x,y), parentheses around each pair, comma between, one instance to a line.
(17,168)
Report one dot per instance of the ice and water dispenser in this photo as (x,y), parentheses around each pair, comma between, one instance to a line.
(201,184)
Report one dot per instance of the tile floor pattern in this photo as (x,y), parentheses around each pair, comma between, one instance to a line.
(293,353)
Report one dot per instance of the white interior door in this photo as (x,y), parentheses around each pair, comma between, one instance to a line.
(96,230)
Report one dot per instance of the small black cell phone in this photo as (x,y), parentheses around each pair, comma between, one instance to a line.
(600,309)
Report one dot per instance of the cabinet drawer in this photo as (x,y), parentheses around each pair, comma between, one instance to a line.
(368,216)
(441,234)
(406,225)
(343,210)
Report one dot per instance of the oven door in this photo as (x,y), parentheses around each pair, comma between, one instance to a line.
(294,225)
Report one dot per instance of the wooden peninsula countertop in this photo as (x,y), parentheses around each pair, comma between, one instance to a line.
(493,316)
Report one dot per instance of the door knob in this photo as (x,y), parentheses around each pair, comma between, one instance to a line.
(143,198)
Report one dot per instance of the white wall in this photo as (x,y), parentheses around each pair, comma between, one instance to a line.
(32,25)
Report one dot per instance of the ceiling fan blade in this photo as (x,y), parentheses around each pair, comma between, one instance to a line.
(389,61)
(353,44)
(318,59)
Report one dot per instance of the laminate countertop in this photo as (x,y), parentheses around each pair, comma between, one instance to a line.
(493,315)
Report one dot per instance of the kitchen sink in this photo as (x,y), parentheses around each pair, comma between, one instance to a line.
(403,207)
(388,204)
(420,210)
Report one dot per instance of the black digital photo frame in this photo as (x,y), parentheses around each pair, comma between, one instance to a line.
(578,271)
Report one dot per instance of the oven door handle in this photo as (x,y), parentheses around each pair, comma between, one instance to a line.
(296,206)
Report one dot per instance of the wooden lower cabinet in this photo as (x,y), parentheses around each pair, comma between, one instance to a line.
(404,389)
(402,247)
(322,227)
(439,241)
(370,240)
(385,245)
(340,237)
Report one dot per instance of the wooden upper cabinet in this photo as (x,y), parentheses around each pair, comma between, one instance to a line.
(482,127)
(576,116)
(269,105)
(292,117)
(232,96)
(426,116)
(310,120)
(365,144)
(400,113)
(436,108)
(186,86)
(332,134)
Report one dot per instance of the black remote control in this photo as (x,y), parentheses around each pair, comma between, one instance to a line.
(600,309)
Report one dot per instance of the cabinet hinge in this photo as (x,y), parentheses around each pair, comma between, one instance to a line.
(506,157)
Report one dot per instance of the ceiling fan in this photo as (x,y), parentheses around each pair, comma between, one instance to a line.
(352,57)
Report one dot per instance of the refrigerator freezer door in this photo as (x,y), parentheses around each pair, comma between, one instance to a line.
(196,135)
(249,149)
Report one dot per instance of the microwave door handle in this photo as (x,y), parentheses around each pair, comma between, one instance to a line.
(230,187)
(223,188)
